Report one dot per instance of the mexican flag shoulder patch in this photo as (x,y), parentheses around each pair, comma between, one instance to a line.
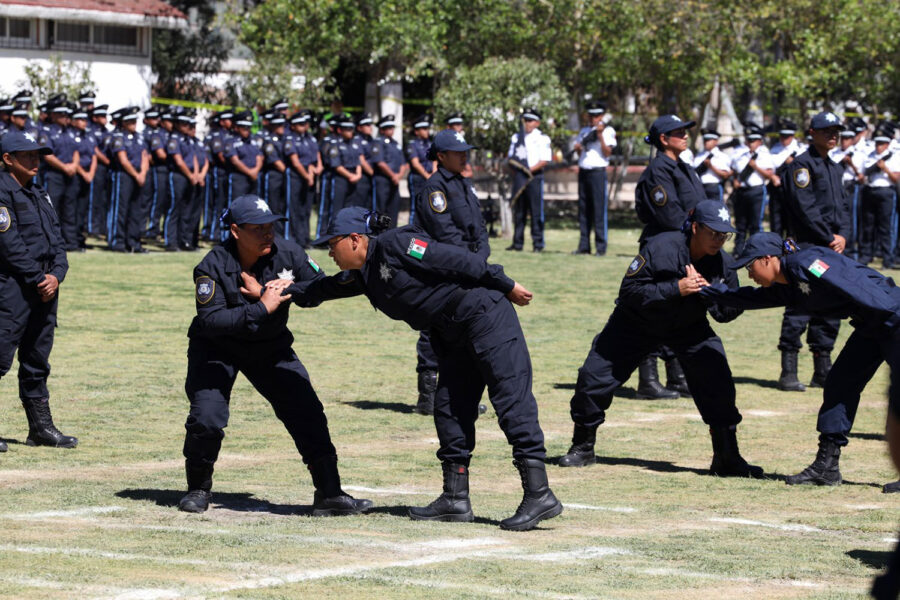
(312,263)
(417,248)
(818,267)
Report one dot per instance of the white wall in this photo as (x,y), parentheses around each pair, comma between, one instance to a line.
(120,80)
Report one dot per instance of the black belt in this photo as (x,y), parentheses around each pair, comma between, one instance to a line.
(456,297)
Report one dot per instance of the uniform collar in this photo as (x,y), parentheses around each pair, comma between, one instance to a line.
(447,174)
(233,265)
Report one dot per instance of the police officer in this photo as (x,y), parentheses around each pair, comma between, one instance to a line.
(217,141)
(666,192)
(594,144)
(87,168)
(881,169)
(818,216)
(852,179)
(130,165)
(753,167)
(531,150)
(99,192)
(157,186)
(274,170)
(713,166)
(364,194)
(201,187)
(447,209)
(343,160)
(183,168)
(819,281)
(32,266)
(658,304)
(60,176)
(463,301)
(6,108)
(245,159)
(390,168)
(329,139)
(301,153)
(420,168)
(149,191)
(783,153)
(241,326)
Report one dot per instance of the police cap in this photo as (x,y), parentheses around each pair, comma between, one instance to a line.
(387,121)
(710,134)
(454,118)
(786,127)
(884,133)
(345,121)
(87,97)
(243,119)
(302,116)
(353,219)
(450,141)
(763,243)
(753,132)
(101,110)
(152,112)
(20,110)
(825,120)
(226,115)
(595,108)
(713,214)
(422,121)
(6,105)
(663,125)
(21,141)
(280,105)
(364,119)
(80,114)
(250,209)
(130,113)
(23,96)
(531,114)
(277,119)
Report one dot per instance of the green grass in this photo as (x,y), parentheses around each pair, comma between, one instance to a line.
(118,384)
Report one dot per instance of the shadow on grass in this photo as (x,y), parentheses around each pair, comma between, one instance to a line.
(403,511)
(877,437)
(12,441)
(375,405)
(660,466)
(766,383)
(620,392)
(871,558)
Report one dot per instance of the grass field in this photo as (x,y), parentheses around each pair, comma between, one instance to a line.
(100,521)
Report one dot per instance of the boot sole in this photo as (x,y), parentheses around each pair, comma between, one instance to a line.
(815,482)
(455,518)
(31,442)
(650,397)
(191,508)
(332,512)
(528,525)
(586,463)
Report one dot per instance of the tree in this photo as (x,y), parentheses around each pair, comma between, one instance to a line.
(57,75)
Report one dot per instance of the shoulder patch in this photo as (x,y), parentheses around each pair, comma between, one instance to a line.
(313,264)
(818,267)
(801,178)
(417,248)
(206,288)
(636,265)
(658,196)
(5,219)
(438,201)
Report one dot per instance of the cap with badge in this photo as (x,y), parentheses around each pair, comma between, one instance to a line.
(87,97)
(226,115)
(710,134)
(20,110)
(6,105)
(421,122)
(786,127)
(387,121)
(345,121)
(100,110)
(596,108)
(129,113)
(80,114)
(281,105)
(353,219)
(752,131)
(21,141)
(713,214)
(302,116)
(531,114)
(23,96)
(663,125)
(450,141)
(152,112)
(276,118)
(250,209)
(243,119)
(825,120)
(884,133)
(364,119)
(454,118)
(763,243)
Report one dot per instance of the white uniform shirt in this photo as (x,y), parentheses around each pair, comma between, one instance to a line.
(537,148)
(592,156)
(719,160)
(780,152)
(741,159)
(857,158)
(880,179)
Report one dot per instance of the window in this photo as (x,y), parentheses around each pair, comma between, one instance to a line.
(98,39)
(116,36)
(17,33)
(75,33)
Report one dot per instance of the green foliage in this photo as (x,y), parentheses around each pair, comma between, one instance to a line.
(45,78)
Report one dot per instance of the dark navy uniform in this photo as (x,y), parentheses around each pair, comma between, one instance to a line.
(217,142)
(86,144)
(649,312)
(31,245)
(387,195)
(666,192)
(158,185)
(299,193)
(99,205)
(126,222)
(247,152)
(592,164)
(176,232)
(817,209)
(341,153)
(273,180)
(63,189)
(461,299)
(370,149)
(325,211)
(201,204)
(417,148)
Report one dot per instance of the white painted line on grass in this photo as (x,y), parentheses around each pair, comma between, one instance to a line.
(672,572)
(387,491)
(577,553)
(455,543)
(620,509)
(472,589)
(50,514)
(864,506)
(92,553)
(805,528)
(890,540)
(762,413)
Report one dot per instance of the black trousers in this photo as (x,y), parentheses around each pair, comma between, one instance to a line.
(63,192)
(364,194)
(426,358)
(879,210)
(853,193)
(483,346)
(26,324)
(126,215)
(616,352)
(387,198)
(749,204)
(191,224)
(714,191)
(278,376)
(83,205)
(820,337)
(297,194)
(592,209)
(158,184)
(176,232)
(341,193)
(777,209)
(99,201)
(531,201)
(274,194)
(414,182)
(219,193)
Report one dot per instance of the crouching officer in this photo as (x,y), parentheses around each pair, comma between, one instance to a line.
(241,326)
(32,265)
(463,301)
(821,282)
(658,304)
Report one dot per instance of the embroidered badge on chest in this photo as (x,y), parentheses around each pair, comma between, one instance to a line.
(636,265)
(658,195)
(5,220)
(206,289)
(801,178)
(803,287)
(286,274)
(385,272)
(437,201)
(818,267)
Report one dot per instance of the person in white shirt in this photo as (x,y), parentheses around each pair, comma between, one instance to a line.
(713,166)
(879,201)
(852,179)
(530,149)
(783,153)
(753,167)
(595,144)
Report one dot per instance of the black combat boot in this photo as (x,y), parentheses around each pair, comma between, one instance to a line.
(538,502)
(649,387)
(199,483)
(453,504)
(727,460)
(675,379)
(41,430)
(582,451)
(891,488)
(427,386)
(825,470)
(330,500)
(821,366)
(788,381)
(2,446)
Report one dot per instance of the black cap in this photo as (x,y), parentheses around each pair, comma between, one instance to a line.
(243,119)
(531,114)
(152,112)
(764,243)
(20,110)
(422,121)
(353,219)
(752,131)
(710,134)
(387,121)
(100,110)
(786,127)
(449,141)
(6,105)
(302,116)
(825,120)
(713,214)
(595,108)
(454,118)
(665,124)
(23,96)
(21,141)
(281,105)
(884,133)
(87,97)
(364,119)
(250,209)
(345,121)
